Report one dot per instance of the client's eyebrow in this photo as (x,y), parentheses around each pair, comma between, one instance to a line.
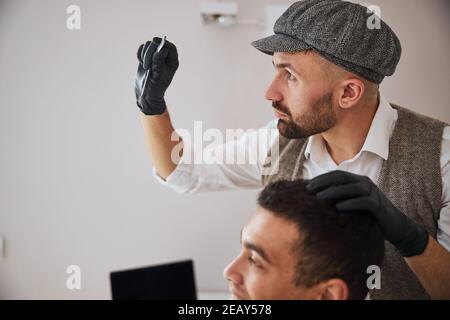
(251,246)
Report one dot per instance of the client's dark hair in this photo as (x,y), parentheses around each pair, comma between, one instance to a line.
(331,244)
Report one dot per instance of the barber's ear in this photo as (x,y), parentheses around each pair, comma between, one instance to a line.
(333,289)
(352,91)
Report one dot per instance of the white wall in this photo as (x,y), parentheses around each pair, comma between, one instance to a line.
(76,184)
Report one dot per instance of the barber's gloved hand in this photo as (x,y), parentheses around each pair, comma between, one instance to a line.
(154,75)
(350,192)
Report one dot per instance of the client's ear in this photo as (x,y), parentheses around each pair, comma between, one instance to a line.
(333,289)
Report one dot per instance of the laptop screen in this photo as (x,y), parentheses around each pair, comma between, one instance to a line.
(171,281)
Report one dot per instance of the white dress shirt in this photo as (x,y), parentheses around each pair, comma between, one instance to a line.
(191,178)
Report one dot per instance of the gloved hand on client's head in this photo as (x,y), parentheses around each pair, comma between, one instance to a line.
(351,192)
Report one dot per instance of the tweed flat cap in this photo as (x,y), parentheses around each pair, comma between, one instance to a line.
(340,32)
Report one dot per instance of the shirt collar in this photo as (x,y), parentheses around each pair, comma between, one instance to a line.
(377,140)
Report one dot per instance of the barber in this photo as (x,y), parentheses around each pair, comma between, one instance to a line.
(331,115)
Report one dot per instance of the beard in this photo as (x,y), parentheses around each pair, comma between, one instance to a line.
(319,118)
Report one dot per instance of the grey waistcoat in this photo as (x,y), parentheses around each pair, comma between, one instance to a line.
(410,178)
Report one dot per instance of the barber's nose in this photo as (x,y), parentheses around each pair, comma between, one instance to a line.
(231,272)
(272,93)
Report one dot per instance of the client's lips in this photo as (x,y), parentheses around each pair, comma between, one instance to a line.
(235,294)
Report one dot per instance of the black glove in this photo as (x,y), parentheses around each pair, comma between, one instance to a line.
(350,192)
(154,74)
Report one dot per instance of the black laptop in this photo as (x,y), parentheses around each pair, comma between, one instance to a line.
(170,281)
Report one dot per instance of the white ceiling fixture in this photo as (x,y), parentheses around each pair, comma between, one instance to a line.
(225,14)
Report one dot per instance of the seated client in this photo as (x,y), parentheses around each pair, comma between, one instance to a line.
(299,247)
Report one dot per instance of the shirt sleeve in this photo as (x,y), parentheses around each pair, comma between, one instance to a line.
(443,233)
(231,165)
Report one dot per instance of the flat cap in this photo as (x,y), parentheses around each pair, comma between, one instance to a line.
(340,31)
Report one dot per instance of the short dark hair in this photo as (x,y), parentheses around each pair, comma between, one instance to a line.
(331,244)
